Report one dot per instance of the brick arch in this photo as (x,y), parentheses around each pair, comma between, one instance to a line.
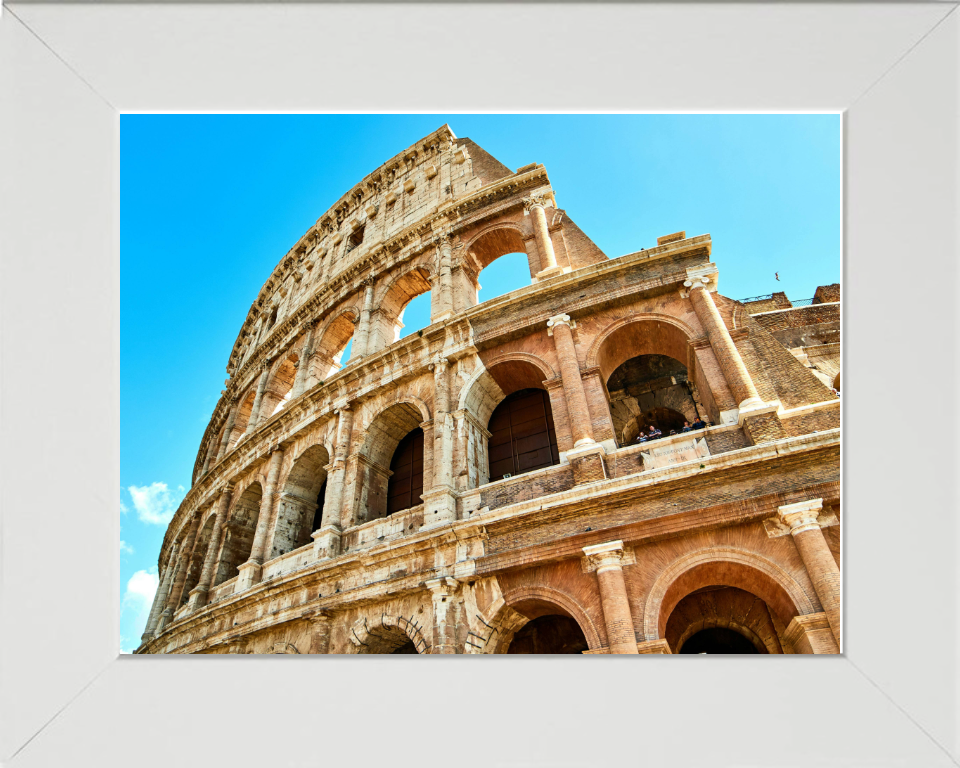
(385,634)
(493,241)
(730,567)
(507,620)
(615,344)
(482,392)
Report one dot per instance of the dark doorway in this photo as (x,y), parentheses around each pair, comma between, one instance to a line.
(406,483)
(522,437)
(549,634)
(718,640)
(407,647)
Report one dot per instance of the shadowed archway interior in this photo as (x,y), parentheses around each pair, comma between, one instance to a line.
(522,435)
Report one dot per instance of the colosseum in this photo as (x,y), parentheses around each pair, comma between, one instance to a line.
(494,483)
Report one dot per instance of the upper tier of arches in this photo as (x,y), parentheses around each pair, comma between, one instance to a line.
(297,341)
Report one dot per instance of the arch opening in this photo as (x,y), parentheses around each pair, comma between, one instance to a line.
(407,647)
(506,274)
(301,501)
(522,434)
(333,350)
(240,530)
(549,634)
(643,365)
(542,626)
(387,640)
(415,316)
(718,640)
(383,437)
(702,622)
(280,388)
(243,418)
(405,485)
(731,588)
(407,292)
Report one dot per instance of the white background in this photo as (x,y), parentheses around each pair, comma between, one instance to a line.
(65,74)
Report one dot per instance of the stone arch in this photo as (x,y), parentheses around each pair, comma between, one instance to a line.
(383,432)
(647,366)
(330,342)
(300,503)
(385,634)
(243,416)
(726,566)
(499,377)
(393,300)
(279,386)
(240,528)
(723,608)
(615,344)
(493,241)
(508,617)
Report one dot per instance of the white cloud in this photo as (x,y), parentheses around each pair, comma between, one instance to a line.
(137,601)
(155,503)
(124,547)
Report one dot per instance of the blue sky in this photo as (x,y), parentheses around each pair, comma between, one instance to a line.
(210,203)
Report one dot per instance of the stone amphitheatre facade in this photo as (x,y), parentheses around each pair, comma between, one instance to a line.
(477,487)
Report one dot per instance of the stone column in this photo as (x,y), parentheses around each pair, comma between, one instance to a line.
(304,365)
(231,421)
(326,541)
(734,371)
(535,205)
(607,559)
(805,527)
(255,410)
(250,571)
(319,633)
(160,599)
(361,341)
(444,303)
(206,462)
(198,595)
(180,578)
(444,625)
(440,500)
(560,327)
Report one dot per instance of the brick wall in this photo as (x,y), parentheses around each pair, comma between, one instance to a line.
(814,421)
(522,488)
(782,475)
(827,293)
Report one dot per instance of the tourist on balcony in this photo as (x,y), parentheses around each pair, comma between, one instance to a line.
(641,438)
(654,433)
(699,423)
(686,427)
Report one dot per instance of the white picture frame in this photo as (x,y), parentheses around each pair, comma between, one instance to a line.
(66,73)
